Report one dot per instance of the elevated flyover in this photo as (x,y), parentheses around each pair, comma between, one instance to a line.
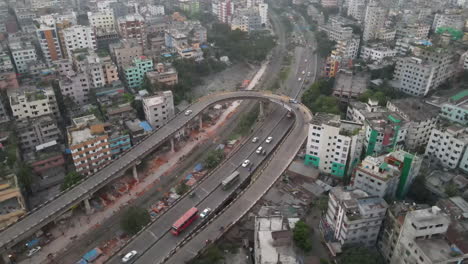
(52,209)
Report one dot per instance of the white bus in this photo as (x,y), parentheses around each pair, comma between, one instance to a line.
(226,183)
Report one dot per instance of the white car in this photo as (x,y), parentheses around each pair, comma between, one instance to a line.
(305,60)
(259,150)
(245,163)
(308,74)
(269,139)
(255,139)
(33,251)
(300,79)
(188,112)
(205,212)
(129,256)
(303,72)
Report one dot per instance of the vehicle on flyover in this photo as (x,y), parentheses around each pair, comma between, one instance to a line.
(226,183)
(184,221)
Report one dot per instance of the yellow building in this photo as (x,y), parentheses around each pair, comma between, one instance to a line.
(12,205)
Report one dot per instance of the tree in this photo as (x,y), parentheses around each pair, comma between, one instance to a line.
(318,97)
(301,236)
(359,255)
(324,44)
(25,176)
(182,188)
(134,219)
(214,158)
(71,179)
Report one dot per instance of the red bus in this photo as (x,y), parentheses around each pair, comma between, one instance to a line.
(184,221)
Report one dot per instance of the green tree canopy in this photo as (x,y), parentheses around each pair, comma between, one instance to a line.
(182,188)
(25,176)
(134,219)
(302,236)
(318,97)
(71,179)
(214,158)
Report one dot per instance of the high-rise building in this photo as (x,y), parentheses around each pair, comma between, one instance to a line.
(354,217)
(23,53)
(3,114)
(125,52)
(76,86)
(263,11)
(102,20)
(333,145)
(448,146)
(329,3)
(49,43)
(89,145)
(6,65)
(356,9)
(79,37)
(133,27)
(33,132)
(374,20)
(159,109)
(223,10)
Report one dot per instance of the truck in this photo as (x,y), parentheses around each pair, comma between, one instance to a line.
(92,255)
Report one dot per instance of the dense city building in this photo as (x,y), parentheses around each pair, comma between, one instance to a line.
(159,109)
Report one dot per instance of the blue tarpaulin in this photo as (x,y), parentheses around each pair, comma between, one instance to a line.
(188,177)
(203,46)
(198,167)
(32,243)
(146,126)
(82,261)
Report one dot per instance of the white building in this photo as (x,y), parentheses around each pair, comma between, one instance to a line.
(223,10)
(448,146)
(28,102)
(263,11)
(159,109)
(374,21)
(102,20)
(348,48)
(387,175)
(356,9)
(377,53)
(354,217)
(415,30)
(448,20)
(49,43)
(23,53)
(76,86)
(337,32)
(422,239)
(408,73)
(333,143)
(79,37)
(156,10)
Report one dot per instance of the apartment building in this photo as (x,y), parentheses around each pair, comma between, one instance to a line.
(6,65)
(447,146)
(102,20)
(422,238)
(89,145)
(76,85)
(453,107)
(49,43)
(263,12)
(12,203)
(23,53)
(63,67)
(165,74)
(421,119)
(388,175)
(78,38)
(119,141)
(377,53)
(133,27)
(223,10)
(414,76)
(159,109)
(414,30)
(354,217)
(246,20)
(347,49)
(337,32)
(349,85)
(329,3)
(448,20)
(356,9)
(125,52)
(134,74)
(384,129)
(374,21)
(28,102)
(333,145)
(33,132)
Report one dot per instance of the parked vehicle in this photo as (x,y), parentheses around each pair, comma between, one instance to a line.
(92,255)
(188,112)
(33,251)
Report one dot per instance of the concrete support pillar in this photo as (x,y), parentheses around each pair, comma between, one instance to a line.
(87,206)
(135,172)
(200,125)
(172,145)
(261,111)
